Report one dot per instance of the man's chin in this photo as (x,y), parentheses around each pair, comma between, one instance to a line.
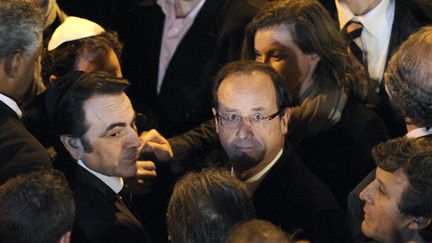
(244,161)
(130,171)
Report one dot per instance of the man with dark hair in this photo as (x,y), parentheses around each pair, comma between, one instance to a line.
(77,44)
(409,87)
(252,114)
(398,202)
(96,124)
(37,207)
(205,205)
(20,43)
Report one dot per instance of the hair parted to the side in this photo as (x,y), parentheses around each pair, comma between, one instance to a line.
(69,117)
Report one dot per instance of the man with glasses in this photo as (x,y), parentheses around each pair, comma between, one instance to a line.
(252,114)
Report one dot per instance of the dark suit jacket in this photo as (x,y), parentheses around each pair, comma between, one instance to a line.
(408,18)
(20,152)
(214,39)
(291,197)
(340,156)
(101,216)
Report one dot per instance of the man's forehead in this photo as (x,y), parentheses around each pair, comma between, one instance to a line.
(393,180)
(107,104)
(254,82)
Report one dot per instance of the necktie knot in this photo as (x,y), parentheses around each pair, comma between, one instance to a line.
(353,29)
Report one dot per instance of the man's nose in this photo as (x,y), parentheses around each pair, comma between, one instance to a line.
(133,139)
(368,193)
(245,128)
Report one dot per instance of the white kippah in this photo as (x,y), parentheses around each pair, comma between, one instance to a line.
(73,28)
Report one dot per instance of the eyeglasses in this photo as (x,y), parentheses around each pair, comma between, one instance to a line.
(234,120)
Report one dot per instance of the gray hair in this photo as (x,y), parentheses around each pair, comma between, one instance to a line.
(408,78)
(21,25)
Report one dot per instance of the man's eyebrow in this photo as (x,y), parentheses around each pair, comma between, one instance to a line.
(111,126)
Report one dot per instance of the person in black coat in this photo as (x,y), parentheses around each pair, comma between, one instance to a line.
(21,30)
(252,114)
(95,122)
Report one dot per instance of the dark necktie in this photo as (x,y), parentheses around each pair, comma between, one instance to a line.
(353,31)
(126,196)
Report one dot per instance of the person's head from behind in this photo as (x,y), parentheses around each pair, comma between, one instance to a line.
(37,207)
(251,111)
(408,79)
(20,43)
(300,40)
(257,231)
(81,45)
(398,202)
(95,121)
(205,205)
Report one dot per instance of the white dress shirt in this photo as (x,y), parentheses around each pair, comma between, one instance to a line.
(253,182)
(113,182)
(11,103)
(375,37)
(419,132)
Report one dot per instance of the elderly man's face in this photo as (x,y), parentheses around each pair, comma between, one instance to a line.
(112,135)
(382,218)
(246,142)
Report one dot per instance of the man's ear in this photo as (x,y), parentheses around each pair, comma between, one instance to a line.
(418,223)
(286,115)
(73,145)
(13,64)
(215,119)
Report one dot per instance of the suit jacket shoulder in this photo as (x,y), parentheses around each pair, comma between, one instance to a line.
(20,152)
(292,197)
(100,215)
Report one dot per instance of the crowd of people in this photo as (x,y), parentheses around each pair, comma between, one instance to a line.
(216,121)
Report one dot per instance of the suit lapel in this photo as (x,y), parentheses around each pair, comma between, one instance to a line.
(9,112)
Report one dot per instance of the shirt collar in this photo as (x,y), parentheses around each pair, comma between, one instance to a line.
(12,104)
(113,182)
(374,21)
(263,172)
(419,132)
